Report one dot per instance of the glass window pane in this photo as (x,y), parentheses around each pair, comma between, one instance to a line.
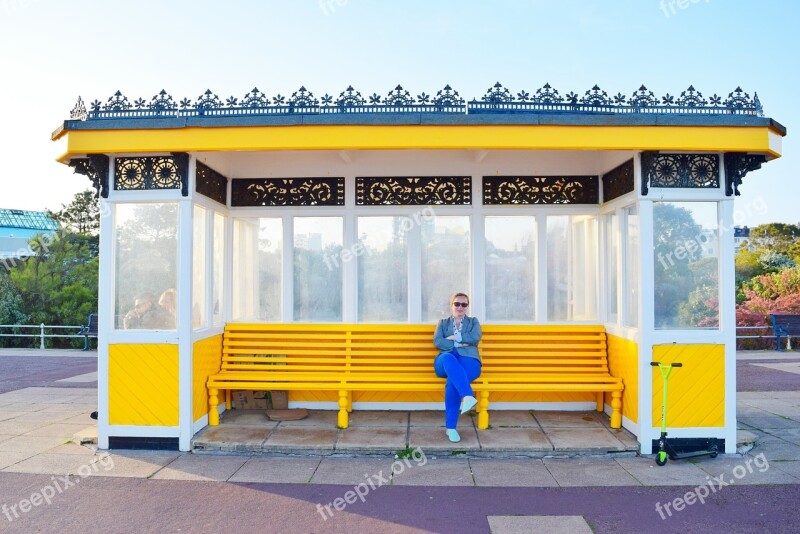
(318,258)
(199,267)
(146,266)
(382,252)
(257,261)
(686,258)
(510,268)
(612,269)
(632,265)
(219,265)
(445,264)
(571,268)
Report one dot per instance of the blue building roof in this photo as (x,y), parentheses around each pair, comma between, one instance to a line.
(26,220)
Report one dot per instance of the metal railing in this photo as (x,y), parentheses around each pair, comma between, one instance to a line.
(41,331)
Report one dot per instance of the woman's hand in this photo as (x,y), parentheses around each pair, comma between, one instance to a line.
(451,338)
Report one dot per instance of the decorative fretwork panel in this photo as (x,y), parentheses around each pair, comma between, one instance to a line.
(413,191)
(540,190)
(95,167)
(737,165)
(211,183)
(156,172)
(287,192)
(679,170)
(618,181)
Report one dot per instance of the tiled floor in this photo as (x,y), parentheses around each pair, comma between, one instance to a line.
(538,433)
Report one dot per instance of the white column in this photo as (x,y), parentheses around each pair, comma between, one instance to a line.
(105,311)
(646,325)
(727,315)
(184,317)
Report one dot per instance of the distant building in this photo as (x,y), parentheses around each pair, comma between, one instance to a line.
(740,236)
(18,227)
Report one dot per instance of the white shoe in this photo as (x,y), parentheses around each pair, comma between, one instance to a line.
(467,403)
(452,435)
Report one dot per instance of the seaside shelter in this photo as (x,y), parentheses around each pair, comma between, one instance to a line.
(547,208)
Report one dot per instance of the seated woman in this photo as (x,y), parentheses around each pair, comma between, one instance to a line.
(457,337)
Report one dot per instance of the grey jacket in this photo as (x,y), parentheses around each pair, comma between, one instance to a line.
(470,336)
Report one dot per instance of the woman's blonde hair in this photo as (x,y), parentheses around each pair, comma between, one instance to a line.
(456,295)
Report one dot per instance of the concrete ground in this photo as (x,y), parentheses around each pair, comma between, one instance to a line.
(40,426)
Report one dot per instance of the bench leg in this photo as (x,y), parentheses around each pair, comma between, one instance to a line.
(213,402)
(228,396)
(344,402)
(601,401)
(616,409)
(349,402)
(483,410)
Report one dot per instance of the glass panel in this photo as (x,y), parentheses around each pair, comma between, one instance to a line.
(382,252)
(571,268)
(612,269)
(686,258)
(632,265)
(510,268)
(257,260)
(199,267)
(318,258)
(219,266)
(145,266)
(445,264)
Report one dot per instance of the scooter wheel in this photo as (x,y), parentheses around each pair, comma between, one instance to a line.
(713,450)
(661,458)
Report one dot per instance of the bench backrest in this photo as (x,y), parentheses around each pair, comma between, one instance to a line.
(787,323)
(406,351)
(91,329)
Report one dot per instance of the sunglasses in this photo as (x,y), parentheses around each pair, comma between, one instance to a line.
(461,304)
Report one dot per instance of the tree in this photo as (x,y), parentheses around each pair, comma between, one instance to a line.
(82,215)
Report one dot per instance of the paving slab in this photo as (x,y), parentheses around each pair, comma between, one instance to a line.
(522,472)
(201,467)
(433,418)
(54,464)
(674,473)
(553,419)
(792,435)
(383,418)
(247,418)
(18,426)
(745,470)
(30,444)
(301,439)
(6,416)
(318,418)
(514,439)
(511,418)
(367,438)
(771,446)
(64,430)
(434,439)
(4,437)
(769,422)
(791,467)
(583,439)
(232,438)
(81,418)
(434,472)
(133,464)
(516,524)
(354,471)
(287,470)
(588,472)
(73,448)
(10,458)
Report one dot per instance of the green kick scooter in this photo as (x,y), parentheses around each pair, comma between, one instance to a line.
(665,449)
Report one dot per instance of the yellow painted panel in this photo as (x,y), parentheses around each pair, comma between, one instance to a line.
(696,391)
(143,384)
(400,137)
(206,360)
(623,362)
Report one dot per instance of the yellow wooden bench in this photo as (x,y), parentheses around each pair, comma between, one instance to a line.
(373,357)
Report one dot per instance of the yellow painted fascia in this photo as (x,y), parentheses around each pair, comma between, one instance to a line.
(423,137)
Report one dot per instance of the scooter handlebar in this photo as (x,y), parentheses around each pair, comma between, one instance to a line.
(675,364)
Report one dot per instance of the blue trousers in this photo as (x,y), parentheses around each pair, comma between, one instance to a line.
(459,371)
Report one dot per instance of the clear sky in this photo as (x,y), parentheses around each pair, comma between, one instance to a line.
(52,51)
